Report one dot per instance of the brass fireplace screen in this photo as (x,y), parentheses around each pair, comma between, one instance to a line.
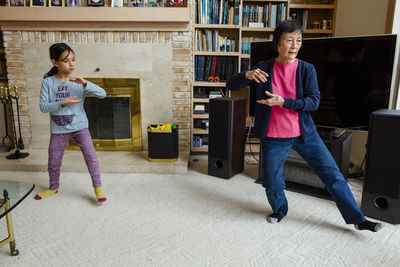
(115,121)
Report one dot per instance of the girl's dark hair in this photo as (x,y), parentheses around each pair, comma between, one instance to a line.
(284,27)
(56,51)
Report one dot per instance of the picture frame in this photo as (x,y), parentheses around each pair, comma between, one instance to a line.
(117,3)
(73,3)
(38,3)
(95,2)
(176,3)
(16,2)
(135,3)
(156,3)
(58,3)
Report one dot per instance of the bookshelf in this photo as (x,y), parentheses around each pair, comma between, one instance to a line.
(241,22)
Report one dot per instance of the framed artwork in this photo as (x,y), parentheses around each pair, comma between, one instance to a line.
(16,2)
(38,2)
(55,2)
(137,3)
(156,3)
(73,3)
(95,2)
(176,3)
(117,3)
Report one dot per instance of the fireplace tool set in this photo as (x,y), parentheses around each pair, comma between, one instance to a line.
(8,141)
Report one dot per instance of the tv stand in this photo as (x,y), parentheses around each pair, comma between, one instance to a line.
(299,177)
(327,133)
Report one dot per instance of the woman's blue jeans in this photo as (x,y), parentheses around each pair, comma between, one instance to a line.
(316,154)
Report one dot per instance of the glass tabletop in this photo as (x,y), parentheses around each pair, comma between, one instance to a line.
(15,191)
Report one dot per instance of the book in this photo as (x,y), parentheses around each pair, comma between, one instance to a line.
(200,71)
(213,66)
(207,68)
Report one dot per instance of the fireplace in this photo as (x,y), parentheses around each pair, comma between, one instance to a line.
(115,121)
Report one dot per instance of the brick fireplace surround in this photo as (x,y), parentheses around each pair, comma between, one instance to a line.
(160,59)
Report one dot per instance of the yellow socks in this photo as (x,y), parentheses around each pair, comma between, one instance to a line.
(49,192)
(99,194)
(46,193)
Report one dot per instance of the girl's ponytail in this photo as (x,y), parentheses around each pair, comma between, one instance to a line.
(52,71)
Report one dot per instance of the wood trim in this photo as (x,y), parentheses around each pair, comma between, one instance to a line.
(390,16)
(205,53)
(217,26)
(311,6)
(95,18)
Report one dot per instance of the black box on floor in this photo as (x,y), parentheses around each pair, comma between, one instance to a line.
(163,144)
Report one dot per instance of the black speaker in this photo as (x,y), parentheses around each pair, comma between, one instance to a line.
(381,190)
(226,136)
(299,177)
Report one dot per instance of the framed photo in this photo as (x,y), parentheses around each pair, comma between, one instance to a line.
(73,3)
(16,2)
(38,2)
(156,3)
(136,3)
(95,2)
(55,2)
(117,3)
(176,3)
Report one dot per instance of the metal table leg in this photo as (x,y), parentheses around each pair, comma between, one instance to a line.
(5,204)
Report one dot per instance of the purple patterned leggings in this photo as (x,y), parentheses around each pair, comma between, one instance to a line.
(58,142)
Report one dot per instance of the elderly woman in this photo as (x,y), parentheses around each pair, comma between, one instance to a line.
(286,92)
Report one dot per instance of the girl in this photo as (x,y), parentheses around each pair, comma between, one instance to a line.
(62,95)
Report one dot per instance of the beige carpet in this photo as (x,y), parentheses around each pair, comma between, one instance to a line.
(185,220)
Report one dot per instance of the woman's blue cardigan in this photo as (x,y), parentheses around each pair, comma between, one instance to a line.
(307,96)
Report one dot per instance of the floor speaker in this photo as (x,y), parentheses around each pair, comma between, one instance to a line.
(226,137)
(381,190)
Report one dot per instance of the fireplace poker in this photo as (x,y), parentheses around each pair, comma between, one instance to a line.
(7,140)
(20,142)
(17,154)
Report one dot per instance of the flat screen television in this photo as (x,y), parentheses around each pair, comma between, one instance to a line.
(355,76)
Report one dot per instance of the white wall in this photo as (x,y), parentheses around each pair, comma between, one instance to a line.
(361,17)
(396,20)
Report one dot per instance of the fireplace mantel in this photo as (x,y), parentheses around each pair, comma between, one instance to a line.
(95,18)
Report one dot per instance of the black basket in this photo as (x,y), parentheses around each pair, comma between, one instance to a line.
(163,144)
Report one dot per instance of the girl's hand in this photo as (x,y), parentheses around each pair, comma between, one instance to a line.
(71,100)
(257,75)
(77,79)
(274,100)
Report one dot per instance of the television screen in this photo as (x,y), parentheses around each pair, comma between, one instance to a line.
(354,76)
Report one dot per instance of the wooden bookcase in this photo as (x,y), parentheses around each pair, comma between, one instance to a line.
(318,19)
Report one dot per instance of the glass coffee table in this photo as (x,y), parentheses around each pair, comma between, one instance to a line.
(12,193)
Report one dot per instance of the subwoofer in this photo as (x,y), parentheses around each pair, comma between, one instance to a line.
(381,190)
(226,137)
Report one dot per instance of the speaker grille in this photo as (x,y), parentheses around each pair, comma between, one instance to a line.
(220,128)
(383,154)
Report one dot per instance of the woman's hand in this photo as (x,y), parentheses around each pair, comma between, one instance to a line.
(71,100)
(77,79)
(274,100)
(257,75)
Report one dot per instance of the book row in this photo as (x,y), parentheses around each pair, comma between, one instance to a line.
(217,11)
(215,68)
(212,41)
(268,15)
(246,43)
